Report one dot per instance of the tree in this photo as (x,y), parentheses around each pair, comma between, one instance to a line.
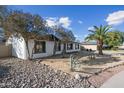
(71,35)
(122,36)
(62,34)
(28,25)
(98,34)
(66,36)
(3,13)
(114,38)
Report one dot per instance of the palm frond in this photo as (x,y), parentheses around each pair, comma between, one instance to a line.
(90,37)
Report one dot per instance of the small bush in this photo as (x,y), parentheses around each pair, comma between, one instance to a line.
(82,48)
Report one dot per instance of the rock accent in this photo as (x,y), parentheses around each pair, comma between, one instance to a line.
(28,74)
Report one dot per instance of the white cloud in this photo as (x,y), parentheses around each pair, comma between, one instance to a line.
(80,22)
(115,18)
(91,28)
(78,37)
(51,21)
(65,22)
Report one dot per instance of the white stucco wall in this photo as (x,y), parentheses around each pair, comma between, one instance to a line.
(30,47)
(59,52)
(93,47)
(49,50)
(77,49)
(18,47)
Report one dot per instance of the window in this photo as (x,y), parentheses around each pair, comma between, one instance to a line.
(58,46)
(69,46)
(77,46)
(40,47)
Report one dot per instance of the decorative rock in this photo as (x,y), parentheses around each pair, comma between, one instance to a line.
(77,76)
(31,74)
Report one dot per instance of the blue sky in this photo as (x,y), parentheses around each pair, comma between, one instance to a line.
(79,18)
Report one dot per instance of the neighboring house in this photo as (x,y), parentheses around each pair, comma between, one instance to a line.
(40,48)
(89,45)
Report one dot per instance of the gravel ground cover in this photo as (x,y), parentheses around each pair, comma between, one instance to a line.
(16,73)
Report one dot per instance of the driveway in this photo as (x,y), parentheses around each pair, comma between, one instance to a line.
(117,81)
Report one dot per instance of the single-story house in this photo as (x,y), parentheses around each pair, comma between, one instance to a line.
(89,45)
(39,48)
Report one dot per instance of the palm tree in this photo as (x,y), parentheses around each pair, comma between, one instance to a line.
(98,34)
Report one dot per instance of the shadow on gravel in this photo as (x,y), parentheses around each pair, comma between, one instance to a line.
(4,71)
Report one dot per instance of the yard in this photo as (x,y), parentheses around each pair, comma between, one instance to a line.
(55,71)
(99,69)
(88,66)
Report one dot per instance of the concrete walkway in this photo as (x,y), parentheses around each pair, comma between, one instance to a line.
(116,81)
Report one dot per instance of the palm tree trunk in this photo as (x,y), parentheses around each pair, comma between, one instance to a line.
(100,50)
(99,47)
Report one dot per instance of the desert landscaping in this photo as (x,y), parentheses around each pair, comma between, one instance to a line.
(55,71)
(39,50)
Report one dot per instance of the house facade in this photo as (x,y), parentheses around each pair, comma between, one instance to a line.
(40,48)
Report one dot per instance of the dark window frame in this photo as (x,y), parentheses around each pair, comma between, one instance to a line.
(77,46)
(39,44)
(58,46)
(70,46)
